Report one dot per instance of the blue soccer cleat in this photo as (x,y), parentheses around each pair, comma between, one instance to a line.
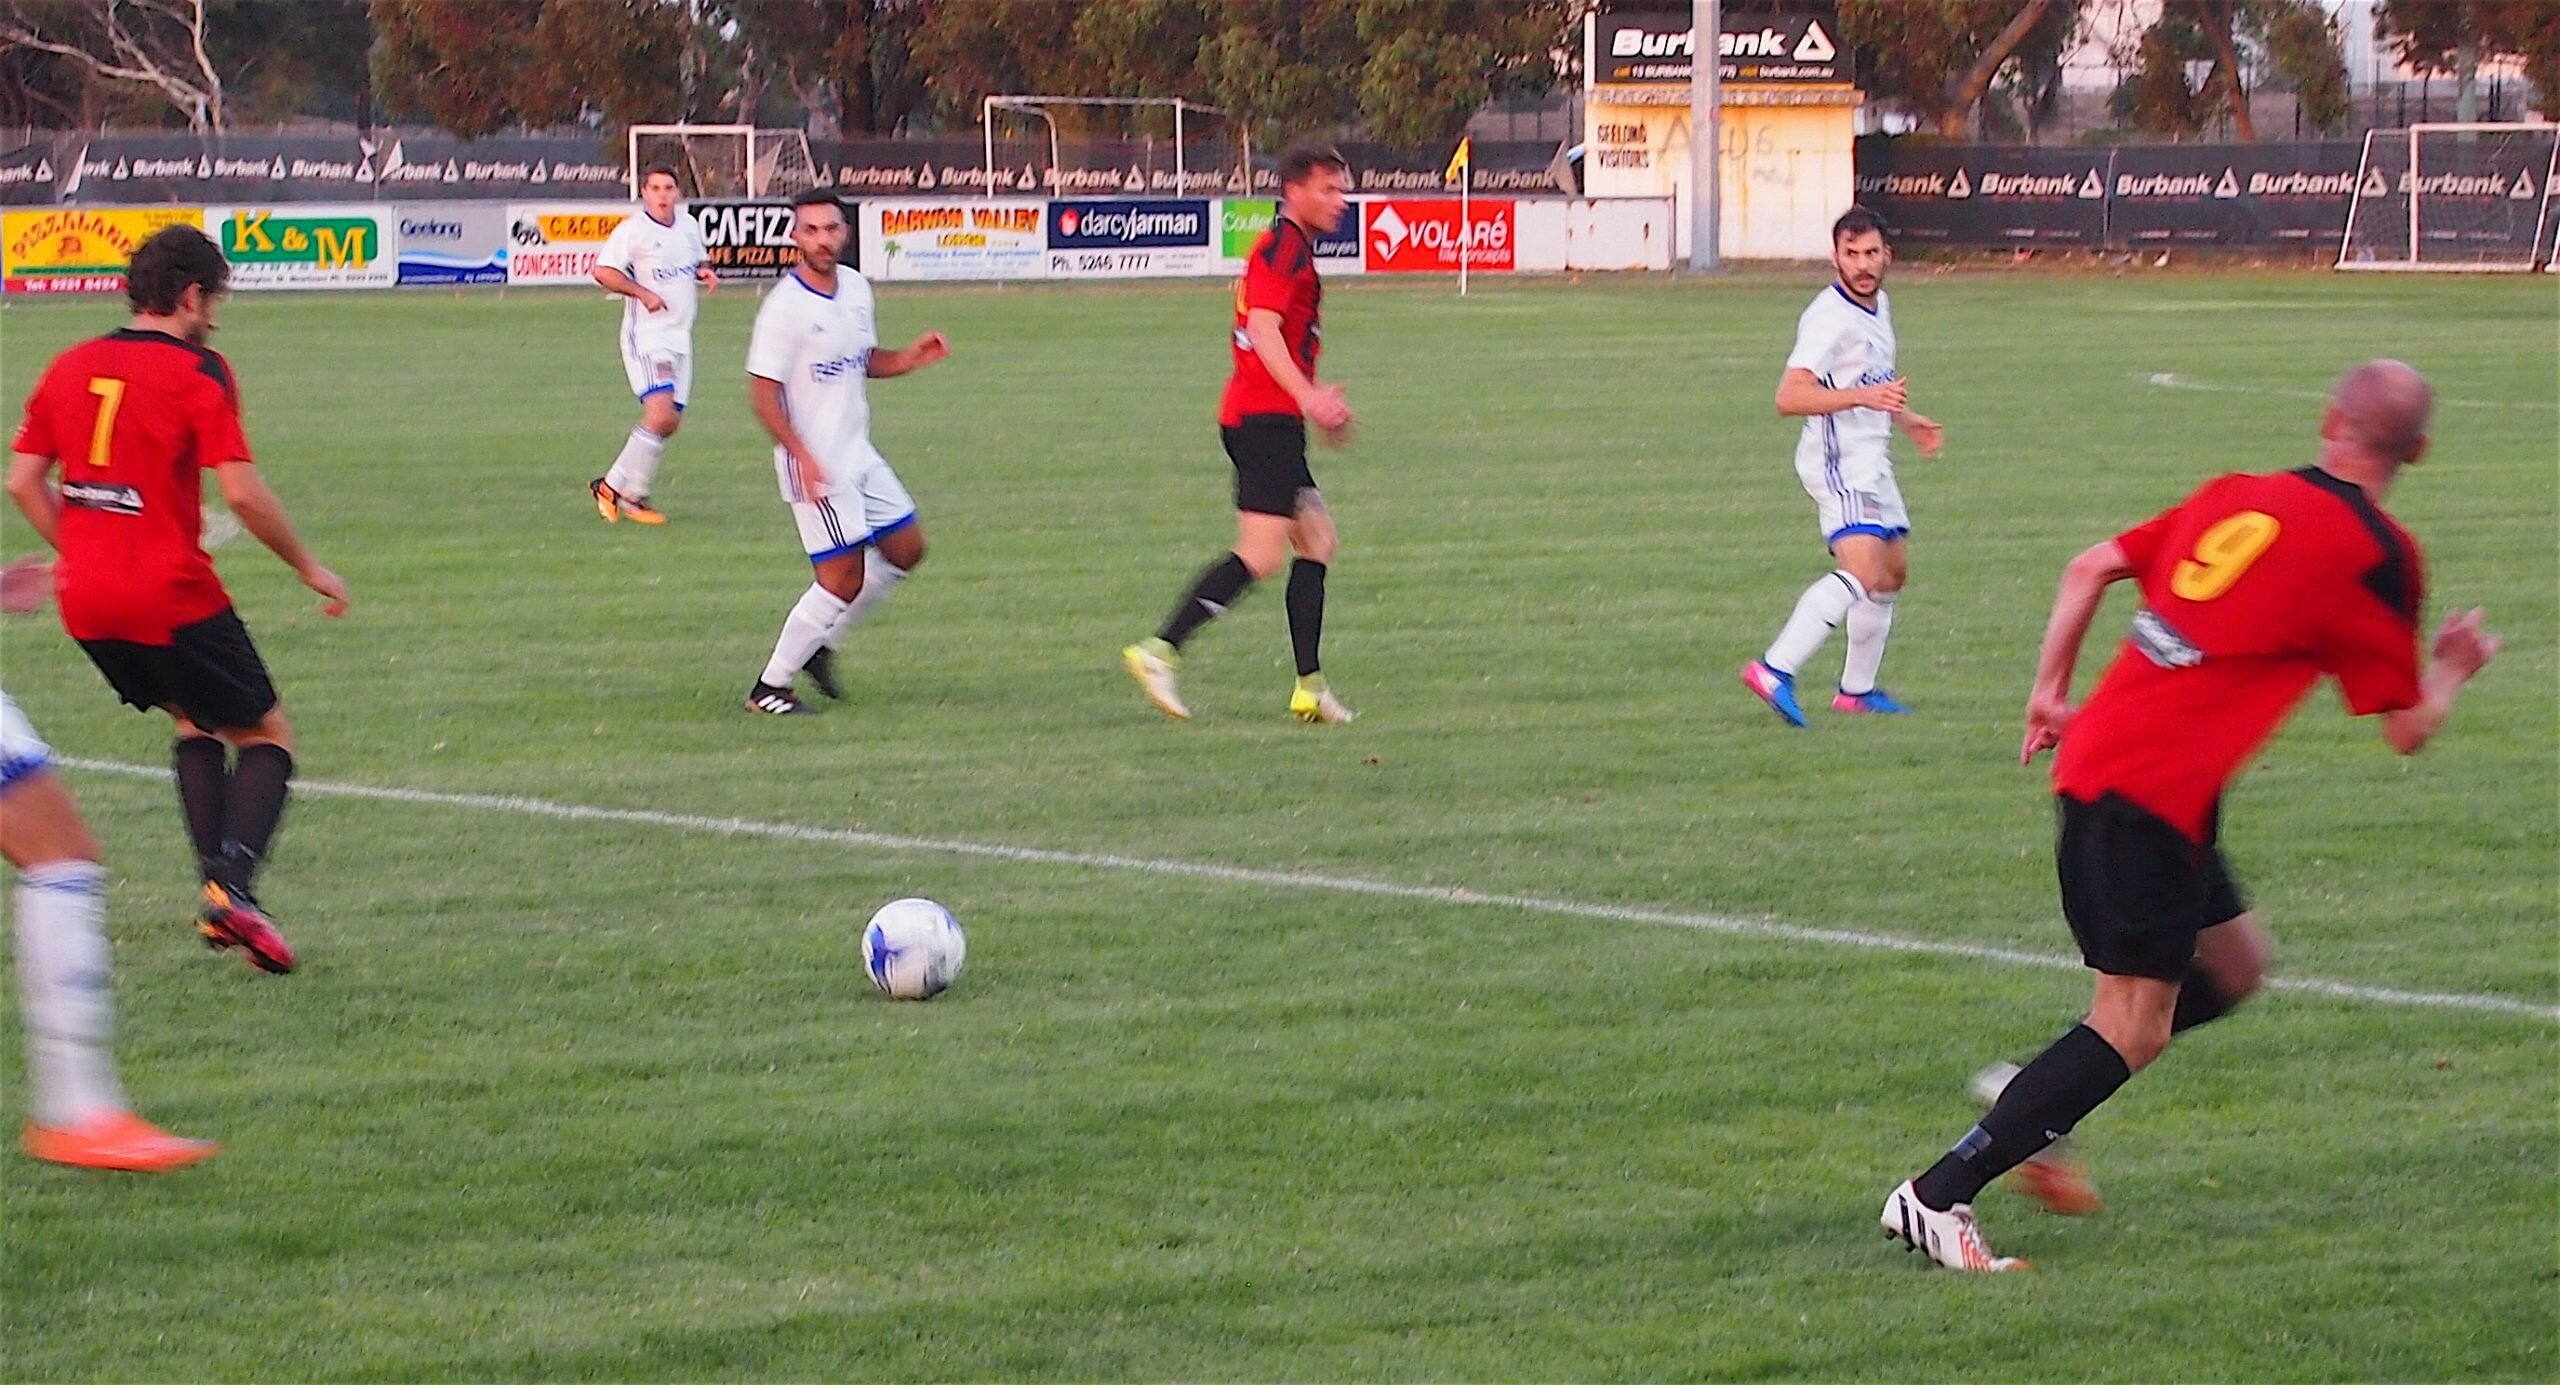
(1775,688)
(1873,702)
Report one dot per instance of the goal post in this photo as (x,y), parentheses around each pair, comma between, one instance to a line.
(1201,158)
(2458,198)
(725,160)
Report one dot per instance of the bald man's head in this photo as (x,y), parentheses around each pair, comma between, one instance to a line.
(2382,408)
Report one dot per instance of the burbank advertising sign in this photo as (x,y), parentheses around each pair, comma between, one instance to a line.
(1125,238)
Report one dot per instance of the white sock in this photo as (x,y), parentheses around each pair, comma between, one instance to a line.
(65,994)
(879,578)
(637,468)
(1870,622)
(1819,609)
(816,612)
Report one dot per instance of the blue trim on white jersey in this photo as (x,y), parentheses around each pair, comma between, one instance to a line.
(817,558)
(669,223)
(1877,530)
(905,521)
(659,389)
(795,278)
(1842,290)
(18,767)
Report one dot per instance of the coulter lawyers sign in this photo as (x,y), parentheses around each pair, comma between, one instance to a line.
(1241,222)
(1404,236)
(1130,239)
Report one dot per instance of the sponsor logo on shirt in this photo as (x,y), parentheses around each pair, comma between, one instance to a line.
(840,366)
(2161,643)
(101,495)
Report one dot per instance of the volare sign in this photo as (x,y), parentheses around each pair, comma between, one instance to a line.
(1408,236)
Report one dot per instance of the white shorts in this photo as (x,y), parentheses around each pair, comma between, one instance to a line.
(659,370)
(1856,503)
(854,512)
(22,752)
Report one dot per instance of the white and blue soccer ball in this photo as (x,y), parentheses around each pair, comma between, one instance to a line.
(913,949)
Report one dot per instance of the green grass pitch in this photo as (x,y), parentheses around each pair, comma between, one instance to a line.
(565,1098)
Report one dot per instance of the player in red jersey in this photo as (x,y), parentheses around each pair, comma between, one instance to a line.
(1270,400)
(2252,588)
(133,420)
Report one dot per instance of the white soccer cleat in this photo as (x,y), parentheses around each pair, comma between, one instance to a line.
(1154,673)
(1949,1238)
(2053,1175)
(1320,708)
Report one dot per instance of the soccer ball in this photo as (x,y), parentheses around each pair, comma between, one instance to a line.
(913,949)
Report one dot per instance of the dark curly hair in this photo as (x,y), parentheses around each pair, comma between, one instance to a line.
(173,258)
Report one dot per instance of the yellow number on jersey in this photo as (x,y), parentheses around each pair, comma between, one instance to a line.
(110,393)
(2222,554)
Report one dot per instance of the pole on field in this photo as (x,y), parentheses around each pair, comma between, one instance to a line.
(1706,134)
(1467,229)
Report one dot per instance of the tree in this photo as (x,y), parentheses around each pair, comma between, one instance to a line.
(1412,70)
(1937,60)
(2297,36)
(479,66)
(2455,36)
(155,45)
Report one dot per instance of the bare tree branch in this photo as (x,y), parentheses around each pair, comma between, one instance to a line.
(133,55)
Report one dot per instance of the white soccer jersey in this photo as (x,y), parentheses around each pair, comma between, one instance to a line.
(818,348)
(1845,346)
(662,258)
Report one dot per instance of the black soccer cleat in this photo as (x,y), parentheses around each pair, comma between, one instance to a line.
(773,701)
(821,669)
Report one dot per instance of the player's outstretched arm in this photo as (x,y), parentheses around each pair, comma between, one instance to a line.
(262,514)
(929,349)
(31,486)
(2461,650)
(2084,585)
(1928,432)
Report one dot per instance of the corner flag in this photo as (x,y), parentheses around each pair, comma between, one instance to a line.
(1458,160)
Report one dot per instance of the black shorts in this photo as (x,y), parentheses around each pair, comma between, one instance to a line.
(1270,456)
(209,671)
(2134,889)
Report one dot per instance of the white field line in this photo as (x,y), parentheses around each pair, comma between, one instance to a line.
(2161,379)
(1309,880)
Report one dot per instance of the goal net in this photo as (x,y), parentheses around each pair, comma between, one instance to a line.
(1111,146)
(725,160)
(2475,198)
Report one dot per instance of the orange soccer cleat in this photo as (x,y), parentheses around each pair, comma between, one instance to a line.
(122,1141)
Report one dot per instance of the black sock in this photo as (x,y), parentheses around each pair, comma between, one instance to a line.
(252,809)
(2199,1002)
(203,768)
(1212,592)
(2043,1102)
(1306,613)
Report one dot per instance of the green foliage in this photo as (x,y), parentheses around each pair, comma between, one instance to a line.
(1914,56)
(2430,35)
(564,1100)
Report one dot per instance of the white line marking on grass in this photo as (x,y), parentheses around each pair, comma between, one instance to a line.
(2164,380)
(1310,880)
